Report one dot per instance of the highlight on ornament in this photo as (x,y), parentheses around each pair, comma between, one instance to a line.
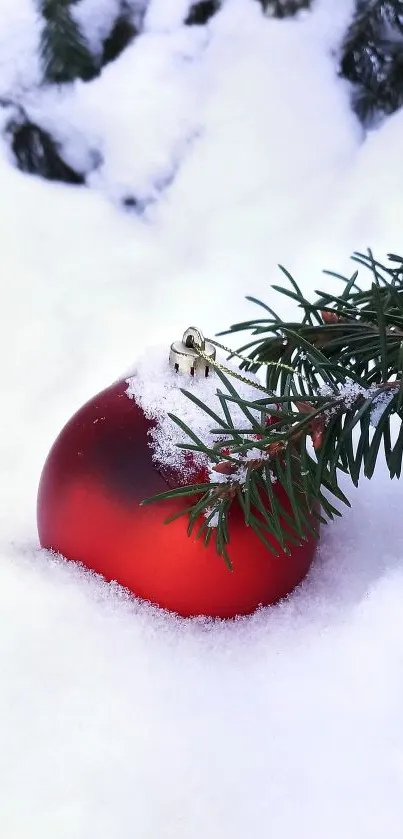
(201,486)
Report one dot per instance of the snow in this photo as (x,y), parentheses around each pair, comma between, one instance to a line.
(379,406)
(138,155)
(157,389)
(350,391)
(96,19)
(116,719)
(166,15)
(20,31)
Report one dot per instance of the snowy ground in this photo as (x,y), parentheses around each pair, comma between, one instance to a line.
(116,720)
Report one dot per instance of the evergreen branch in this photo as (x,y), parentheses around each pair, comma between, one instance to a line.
(372,58)
(331,393)
(65,51)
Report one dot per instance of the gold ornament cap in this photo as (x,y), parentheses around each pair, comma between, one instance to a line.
(185,358)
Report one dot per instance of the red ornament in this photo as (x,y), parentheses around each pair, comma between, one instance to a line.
(99,470)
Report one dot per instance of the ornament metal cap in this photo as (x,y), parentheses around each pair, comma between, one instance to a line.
(184,358)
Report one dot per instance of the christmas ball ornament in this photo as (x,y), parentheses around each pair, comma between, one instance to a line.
(120,448)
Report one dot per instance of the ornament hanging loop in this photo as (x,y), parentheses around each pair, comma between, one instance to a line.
(192,336)
(185,357)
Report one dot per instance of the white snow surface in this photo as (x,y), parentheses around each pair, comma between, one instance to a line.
(118,720)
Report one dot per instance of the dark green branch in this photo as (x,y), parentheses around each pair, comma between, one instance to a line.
(329,416)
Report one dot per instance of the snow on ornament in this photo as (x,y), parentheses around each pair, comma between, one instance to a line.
(120,448)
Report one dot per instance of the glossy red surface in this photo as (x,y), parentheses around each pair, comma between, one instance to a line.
(96,474)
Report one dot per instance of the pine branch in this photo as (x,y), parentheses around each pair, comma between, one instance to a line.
(65,51)
(201,12)
(372,57)
(284,8)
(36,153)
(334,382)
